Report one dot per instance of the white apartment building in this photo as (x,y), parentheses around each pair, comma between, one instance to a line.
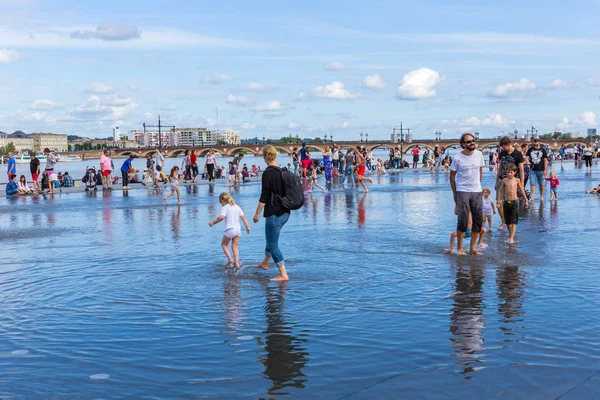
(232,137)
(116,134)
(150,138)
(197,137)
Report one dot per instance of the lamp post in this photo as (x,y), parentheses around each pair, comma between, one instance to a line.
(325,138)
(263,140)
(361,137)
(516,132)
(367,134)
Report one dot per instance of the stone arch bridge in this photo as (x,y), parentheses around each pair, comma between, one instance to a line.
(287,148)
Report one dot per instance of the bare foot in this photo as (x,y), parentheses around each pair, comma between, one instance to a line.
(366,191)
(501,227)
(448,250)
(263,266)
(461,252)
(280,278)
(165,201)
(474,252)
(237,266)
(512,241)
(180,203)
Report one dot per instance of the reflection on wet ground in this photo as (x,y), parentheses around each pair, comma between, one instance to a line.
(114,295)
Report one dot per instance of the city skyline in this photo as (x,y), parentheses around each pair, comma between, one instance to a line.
(309,69)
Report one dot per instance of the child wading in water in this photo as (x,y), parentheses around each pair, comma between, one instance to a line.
(174,179)
(480,243)
(509,188)
(488,207)
(554,184)
(312,170)
(231,213)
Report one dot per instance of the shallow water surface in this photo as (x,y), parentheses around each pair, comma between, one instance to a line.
(110,295)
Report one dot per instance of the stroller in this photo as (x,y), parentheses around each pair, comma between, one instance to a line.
(89,179)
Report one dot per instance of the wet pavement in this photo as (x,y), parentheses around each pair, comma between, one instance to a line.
(112,295)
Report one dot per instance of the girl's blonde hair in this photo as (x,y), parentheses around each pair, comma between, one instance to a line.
(552,172)
(225,197)
(269,153)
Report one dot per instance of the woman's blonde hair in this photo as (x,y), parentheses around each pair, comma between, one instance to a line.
(225,197)
(269,153)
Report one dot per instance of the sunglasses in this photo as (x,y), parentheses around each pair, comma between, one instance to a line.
(469,141)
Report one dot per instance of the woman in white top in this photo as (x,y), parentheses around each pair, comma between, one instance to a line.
(209,166)
(22,186)
(231,213)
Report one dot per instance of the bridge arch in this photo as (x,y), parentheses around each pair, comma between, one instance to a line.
(204,152)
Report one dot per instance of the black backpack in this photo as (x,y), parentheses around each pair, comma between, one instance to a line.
(294,191)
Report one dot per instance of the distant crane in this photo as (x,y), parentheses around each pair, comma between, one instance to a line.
(159,126)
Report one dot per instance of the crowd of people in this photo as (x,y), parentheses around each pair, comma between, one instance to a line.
(513,164)
(473,205)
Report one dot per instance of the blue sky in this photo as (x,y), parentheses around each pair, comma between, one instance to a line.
(313,68)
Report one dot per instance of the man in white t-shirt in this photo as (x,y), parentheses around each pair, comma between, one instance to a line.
(465,179)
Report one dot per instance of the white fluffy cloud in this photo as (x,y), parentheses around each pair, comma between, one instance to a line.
(258,87)
(109,31)
(558,84)
(335,91)
(301,97)
(99,88)
(8,56)
(418,84)
(43,104)
(564,124)
(496,120)
(587,118)
(473,121)
(272,109)
(95,109)
(231,99)
(217,79)
(521,86)
(294,126)
(374,82)
(335,66)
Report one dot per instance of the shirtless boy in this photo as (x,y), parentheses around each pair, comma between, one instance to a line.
(509,189)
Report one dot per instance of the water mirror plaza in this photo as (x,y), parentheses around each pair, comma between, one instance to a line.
(113,295)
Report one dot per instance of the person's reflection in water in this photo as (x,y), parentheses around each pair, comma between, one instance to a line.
(285,354)
(327,205)
(511,287)
(233,305)
(349,197)
(176,225)
(315,206)
(362,212)
(467,324)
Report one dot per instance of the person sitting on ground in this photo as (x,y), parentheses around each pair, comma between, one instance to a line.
(67,181)
(134,176)
(23,187)
(245,174)
(11,187)
(597,190)
(254,171)
(218,172)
